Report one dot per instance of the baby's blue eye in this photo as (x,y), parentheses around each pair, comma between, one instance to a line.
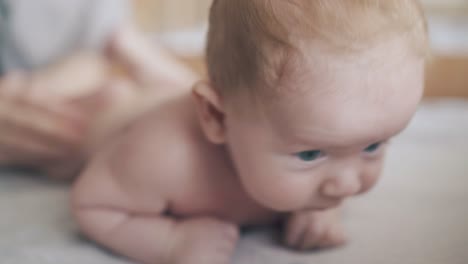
(372,148)
(310,155)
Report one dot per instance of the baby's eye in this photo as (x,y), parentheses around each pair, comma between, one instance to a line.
(373,148)
(310,155)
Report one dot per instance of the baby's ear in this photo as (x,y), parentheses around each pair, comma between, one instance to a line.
(210,111)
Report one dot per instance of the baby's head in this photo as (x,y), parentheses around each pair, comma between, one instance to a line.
(306,94)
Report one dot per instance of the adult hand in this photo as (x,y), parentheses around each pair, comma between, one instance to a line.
(150,65)
(45,127)
(34,129)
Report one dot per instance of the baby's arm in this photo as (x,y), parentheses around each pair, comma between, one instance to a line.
(138,224)
(314,229)
(146,238)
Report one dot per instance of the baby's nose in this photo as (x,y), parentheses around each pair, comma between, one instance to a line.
(343,185)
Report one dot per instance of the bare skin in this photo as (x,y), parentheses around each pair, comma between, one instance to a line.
(175,185)
(205,185)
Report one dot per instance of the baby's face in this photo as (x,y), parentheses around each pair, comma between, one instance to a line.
(325,140)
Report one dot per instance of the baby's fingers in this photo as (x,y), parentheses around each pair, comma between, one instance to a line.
(333,237)
(295,230)
(314,235)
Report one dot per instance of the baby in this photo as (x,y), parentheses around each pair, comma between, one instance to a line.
(302,99)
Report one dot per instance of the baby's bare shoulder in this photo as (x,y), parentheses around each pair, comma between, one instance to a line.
(165,136)
(159,150)
(148,160)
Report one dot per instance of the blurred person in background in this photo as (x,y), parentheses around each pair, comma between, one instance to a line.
(56,64)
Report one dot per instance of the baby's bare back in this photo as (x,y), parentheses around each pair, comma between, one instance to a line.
(163,164)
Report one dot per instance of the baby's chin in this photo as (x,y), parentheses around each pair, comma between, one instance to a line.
(325,207)
(287,204)
(310,207)
(322,207)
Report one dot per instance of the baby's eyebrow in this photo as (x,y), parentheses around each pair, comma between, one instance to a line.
(332,142)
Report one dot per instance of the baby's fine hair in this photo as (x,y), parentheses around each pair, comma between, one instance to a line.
(252,43)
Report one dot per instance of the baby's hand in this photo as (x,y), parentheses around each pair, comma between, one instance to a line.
(314,229)
(204,241)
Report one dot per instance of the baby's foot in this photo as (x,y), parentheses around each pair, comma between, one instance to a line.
(204,241)
(314,229)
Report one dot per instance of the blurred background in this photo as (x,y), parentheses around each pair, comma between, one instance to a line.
(181,26)
(417,214)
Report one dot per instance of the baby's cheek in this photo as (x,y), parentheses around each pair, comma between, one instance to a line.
(281,194)
(370,176)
